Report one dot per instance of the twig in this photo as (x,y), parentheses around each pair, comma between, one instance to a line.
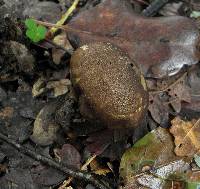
(70,179)
(154,7)
(70,172)
(142,2)
(63,27)
(65,16)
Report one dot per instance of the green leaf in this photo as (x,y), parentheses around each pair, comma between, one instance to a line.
(32,35)
(197,160)
(147,139)
(30,24)
(152,163)
(34,32)
(41,32)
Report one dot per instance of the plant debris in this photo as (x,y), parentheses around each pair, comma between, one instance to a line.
(103,97)
(186,135)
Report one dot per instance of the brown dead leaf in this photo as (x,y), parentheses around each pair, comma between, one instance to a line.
(98,169)
(57,87)
(102,171)
(158,110)
(69,156)
(194,80)
(187,136)
(45,128)
(166,94)
(63,42)
(160,46)
(178,93)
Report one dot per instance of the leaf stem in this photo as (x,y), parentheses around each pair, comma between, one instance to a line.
(65,16)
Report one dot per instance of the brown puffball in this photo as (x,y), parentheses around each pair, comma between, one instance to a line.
(110,86)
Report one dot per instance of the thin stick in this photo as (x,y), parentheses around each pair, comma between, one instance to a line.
(70,179)
(63,27)
(154,7)
(142,1)
(71,172)
(65,16)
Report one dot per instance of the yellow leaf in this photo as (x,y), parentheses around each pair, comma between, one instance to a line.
(102,171)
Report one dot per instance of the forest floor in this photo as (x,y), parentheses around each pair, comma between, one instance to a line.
(48,139)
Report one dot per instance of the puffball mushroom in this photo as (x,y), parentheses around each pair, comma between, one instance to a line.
(109,85)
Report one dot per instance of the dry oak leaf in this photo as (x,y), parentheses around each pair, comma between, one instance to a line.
(187,136)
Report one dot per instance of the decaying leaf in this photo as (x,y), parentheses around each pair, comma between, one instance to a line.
(167,96)
(158,110)
(96,145)
(63,42)
(179,93)
(69,156)
(187,136)
(38,87)
(194,80)
(160,46)
(154,149)
(59,87)
(157,179)
(45,128)
(151,163)
(98,169)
